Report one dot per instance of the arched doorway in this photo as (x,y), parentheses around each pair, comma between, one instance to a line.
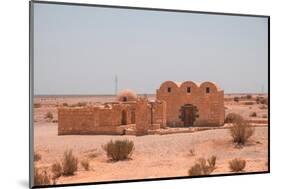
(133,117)
(188,114)
(124,117)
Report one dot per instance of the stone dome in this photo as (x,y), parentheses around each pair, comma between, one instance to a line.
(126,95)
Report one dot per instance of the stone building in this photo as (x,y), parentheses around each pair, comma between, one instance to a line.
(191,104)
(176,105)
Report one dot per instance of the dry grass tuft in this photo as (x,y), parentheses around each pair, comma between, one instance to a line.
(65,104)
(203,167)
(262,100)
(69,163)
(57,171)
(37,105)
(233,117)
(241,131)
(79,104)
(249,103)
(37,156)
(237,165)
(41,177)
(264,116)
(236,99)
(192,152)
(49,116)
(85,164)
(119,149)
(212,161)
(263,107)
(253,114)
(249,96)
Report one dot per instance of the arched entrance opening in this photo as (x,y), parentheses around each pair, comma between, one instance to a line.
(124,117)
(133,117)
(188,114)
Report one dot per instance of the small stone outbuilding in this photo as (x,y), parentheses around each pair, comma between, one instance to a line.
(176,105)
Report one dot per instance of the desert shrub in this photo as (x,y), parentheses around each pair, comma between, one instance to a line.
(192,152)
(195,170)
(264,116)
(203,167)
(41,177)
(212,161)
(69,163)
(241,131)
(49,115)
(232,117)
(79,104)
(37,105)
(85,164)
(119,149)
(236,99)
(249,103)
(253,114)
(57,171)
(262,100)
(237,165)
(65,104)
(37,156)
(263,107)
(249,96)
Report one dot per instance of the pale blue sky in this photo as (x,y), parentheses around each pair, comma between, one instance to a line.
(79,50)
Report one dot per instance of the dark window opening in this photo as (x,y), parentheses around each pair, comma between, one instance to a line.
(207,89)
(169,89)
(188,90)
(124,117)
(124,99)
(133,117)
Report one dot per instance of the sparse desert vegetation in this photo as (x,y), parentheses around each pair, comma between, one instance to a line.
(249,103)
(49,116)
(65,104)
(85,164)
(37,156)
(237,165)
(192,152)
(253,114)
(236,99)
(154,156)
(203,166)
(119,149)
(233,117)
(69,163)
(41,177)
(57,171)
(241,131)
(37,105)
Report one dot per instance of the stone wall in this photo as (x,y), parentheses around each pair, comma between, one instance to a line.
(143,118)
(94,120)
(210,105)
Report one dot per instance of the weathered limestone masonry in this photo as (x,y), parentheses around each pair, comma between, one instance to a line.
(143,118)
(191,104)
(176,105)
(126,116)
(91,120)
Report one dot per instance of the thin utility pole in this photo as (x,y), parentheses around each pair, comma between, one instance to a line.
(116,84)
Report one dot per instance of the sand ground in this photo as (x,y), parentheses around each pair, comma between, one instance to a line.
(154,156)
